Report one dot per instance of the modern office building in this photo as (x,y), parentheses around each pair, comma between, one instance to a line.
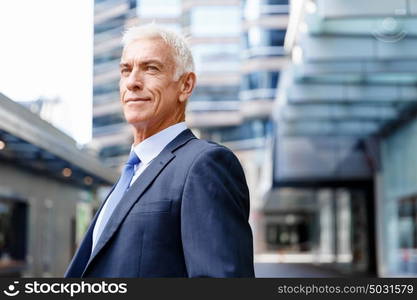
(111,136)
(263,56)
(213,28)
(48,194)
(344,181)
(264,24)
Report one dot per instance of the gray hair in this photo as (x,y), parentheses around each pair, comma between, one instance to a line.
(183,57)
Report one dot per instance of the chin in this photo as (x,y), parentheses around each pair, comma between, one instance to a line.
(133,118)
(135,121)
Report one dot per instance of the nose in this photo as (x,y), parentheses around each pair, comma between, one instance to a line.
(135,81)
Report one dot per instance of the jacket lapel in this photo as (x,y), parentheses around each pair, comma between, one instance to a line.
(134,193)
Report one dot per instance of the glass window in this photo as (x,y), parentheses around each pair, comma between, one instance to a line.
(106,88)
(158,8)
(248,130)
(108,56)
(132,4)
(260,80)
(273,79)
(276,37)
(106,120)
(215,93)
(216,57)
(110,24)
(253,9)
(275,2)
(256,37)
(215,21)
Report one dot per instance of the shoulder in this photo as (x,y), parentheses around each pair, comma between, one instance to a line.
(198,149)
(209,159)
(214,170)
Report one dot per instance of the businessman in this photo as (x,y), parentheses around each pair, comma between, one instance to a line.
(181,205)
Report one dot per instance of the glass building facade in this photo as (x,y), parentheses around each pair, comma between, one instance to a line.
(398,201)
(214,30)
(262,58)
(345,128)
(110,133)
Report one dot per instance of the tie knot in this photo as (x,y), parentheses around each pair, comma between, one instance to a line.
(133,159)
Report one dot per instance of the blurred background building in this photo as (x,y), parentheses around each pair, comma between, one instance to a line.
(317,98)
(48,194)
(343,190)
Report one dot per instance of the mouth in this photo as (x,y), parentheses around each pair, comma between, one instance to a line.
(137,99)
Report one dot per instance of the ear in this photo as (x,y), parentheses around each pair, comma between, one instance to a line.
(187,84)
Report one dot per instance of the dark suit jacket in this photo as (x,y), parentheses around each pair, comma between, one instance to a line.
(185,216)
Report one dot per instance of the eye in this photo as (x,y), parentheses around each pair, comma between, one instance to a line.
(124,71)
(152,68)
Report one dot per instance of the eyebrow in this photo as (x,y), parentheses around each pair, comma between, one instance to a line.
(144,62)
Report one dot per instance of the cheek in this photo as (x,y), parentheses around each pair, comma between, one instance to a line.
(156,89)
(157,93)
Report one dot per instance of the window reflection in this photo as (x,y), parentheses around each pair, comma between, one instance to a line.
(250,129)
(260,80)
(257,37)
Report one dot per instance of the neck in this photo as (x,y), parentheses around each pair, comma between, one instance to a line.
(141,133)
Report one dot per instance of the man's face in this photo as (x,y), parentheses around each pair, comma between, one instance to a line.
(148,92)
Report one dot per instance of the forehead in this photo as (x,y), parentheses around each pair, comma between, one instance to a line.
(147,48)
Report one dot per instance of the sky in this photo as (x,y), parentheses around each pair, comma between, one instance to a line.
(47,51)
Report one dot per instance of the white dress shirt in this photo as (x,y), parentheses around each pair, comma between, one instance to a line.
(146,150)
(149,148)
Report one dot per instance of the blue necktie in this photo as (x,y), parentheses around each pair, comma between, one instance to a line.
(115,197)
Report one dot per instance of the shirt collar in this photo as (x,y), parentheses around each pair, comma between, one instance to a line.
(150,147)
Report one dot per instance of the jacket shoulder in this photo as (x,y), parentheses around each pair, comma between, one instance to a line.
(196,147)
